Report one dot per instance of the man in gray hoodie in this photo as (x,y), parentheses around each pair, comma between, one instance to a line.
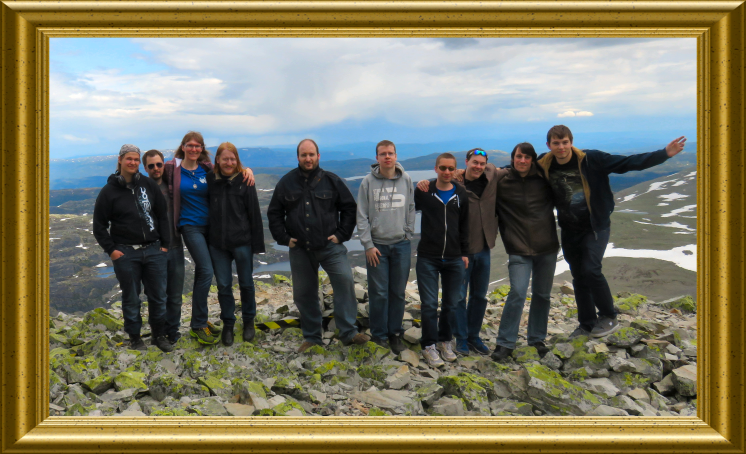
(385,222)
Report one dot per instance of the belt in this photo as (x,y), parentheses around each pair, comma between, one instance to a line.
(140,246)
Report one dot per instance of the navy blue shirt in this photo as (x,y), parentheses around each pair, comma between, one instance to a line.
(445,196)
(194,207)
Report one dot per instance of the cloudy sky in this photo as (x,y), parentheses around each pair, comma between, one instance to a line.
(273,92)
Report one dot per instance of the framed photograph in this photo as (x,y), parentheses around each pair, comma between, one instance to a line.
(26,29)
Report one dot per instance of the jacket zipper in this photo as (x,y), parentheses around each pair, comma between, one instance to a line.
(525,203)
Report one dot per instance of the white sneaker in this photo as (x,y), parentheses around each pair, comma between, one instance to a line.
(446,351)
(431,356)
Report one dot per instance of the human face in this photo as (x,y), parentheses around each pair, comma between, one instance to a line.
(475,167)
(129,163)
(308,158)
(446,174)
(522,162)
(561,148)
(192,150)
(154,167)
(386,157)
(227,162)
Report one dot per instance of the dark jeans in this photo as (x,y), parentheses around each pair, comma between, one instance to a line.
(584,251)
(195,238)
(174,290)
(520,269)
(434,328)
(477,280)
(386,284)
(222,261)
(304,267)
(146,265)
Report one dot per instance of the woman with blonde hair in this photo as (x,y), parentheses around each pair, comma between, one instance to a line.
(236,233)
(186,176)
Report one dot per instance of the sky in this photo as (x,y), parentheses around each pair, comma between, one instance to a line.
(273,92)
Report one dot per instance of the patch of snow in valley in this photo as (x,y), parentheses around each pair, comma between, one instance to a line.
(262,263)
(679,183)
(627,198)
(673,196)
(52,239)
(101,265)
(263,276)
(662,204)
(679,210)
(691,174)
(81,246)
(683,256)
(658,186)
(674,225)
(187,259)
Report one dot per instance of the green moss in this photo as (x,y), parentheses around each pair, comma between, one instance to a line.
(373,372)
(568,301)
(127,380)
(283,408)
(277,278)
(631,303)
(375,411)
(526,354)
(170,412)
(500,292)
(292,333)
(579,374)
(684,304)
(368,352)
(328,366)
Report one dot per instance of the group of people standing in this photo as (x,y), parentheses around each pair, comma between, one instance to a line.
(214,210)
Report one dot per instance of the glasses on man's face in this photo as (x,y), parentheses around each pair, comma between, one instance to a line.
(446,168)
(154,165)
(193,147)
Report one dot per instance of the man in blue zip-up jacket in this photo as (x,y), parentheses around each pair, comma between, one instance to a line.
(584,201)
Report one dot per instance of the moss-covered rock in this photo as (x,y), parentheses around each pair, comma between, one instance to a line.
(244,389)
(374,372)
(630,304)
(217,385)
(368,353)
(500,292)
(684,304)
(170,385)
(208,406)
(58,357)
(170,412)
(100,384)
(475,390)
(130,379)
(555,395)
(525,354)
(643,325)
(101,316)
(627,381)
(57,384)
(625,337)
(375,411)
(594,361)
(79,409)
(81,370)
(292,333)
(287,406)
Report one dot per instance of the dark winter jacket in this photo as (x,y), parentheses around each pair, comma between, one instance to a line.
(445,224)
(235,218)
(595,167)
(526,213)
(130,216)
(172,177)
(310,209)
(482,220)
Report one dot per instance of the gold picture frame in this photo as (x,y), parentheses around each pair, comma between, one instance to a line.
(25,29)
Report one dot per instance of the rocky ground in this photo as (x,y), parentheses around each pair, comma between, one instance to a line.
(648,368)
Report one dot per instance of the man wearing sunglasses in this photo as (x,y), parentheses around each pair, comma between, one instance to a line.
(442,251)
(153,160)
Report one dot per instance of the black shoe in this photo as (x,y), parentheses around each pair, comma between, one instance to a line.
(136,343)
(163,343)
(174,338)
(541,348)
(382,342)
(396,344)
(501,353)
(605,326)
(248,331)
(579,332)
(227,336)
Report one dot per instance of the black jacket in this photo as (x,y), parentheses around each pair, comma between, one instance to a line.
(136,216)
(311,209)
(235,218)
(445,229)
(595,167)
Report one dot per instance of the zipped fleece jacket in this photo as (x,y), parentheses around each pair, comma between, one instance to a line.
(482,219)
(235,218)
(526,213)
(310,209)
(136,216)
(595,167)
(445,224)
(172,177)
(385,207)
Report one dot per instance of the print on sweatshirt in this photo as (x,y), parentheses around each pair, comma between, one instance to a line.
(143,203)
(388,199)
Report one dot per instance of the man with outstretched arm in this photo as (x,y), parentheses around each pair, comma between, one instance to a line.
(130,223)
(584,201)
(442,251)
(313,212)
(385,223)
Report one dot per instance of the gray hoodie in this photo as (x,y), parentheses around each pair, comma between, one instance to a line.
(385,207)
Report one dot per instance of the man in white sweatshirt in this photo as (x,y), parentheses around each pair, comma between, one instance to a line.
(385,222)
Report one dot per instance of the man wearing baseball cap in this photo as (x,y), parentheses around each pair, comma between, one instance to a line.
(130,222)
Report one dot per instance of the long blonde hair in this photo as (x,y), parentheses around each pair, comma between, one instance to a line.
(227,146)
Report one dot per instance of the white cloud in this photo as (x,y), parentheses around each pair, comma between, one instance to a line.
(584,114)
(569,113)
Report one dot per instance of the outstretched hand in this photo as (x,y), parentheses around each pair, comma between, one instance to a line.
(675,147)
(423,185)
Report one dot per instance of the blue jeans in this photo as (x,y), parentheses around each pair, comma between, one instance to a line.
(304,267)
(583,252)
(477,279)
(195,238)
(146,265)
(434,328)
(520,269)
(222,261)
(386,284)
(174,290)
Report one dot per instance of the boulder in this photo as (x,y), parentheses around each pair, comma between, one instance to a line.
(685,380)
(449,406)
(555,395)
(625,337)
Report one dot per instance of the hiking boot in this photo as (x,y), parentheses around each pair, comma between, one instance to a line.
(306,345)
(382,342)
(214,330)
(248,331)
(203,336)
(227,336)
(446,351)
(605,326)
(431,356)
(462,348)
(136,343)
(174,338)
(541,348)
(357,339)
(163,343)
(501,353)
(579,331)
(478,346)
(396,344)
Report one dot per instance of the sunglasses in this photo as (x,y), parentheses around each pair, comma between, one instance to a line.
(446,168)
(477,152)
(154,165)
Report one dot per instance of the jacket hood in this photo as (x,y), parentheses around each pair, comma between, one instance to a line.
(375,170)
